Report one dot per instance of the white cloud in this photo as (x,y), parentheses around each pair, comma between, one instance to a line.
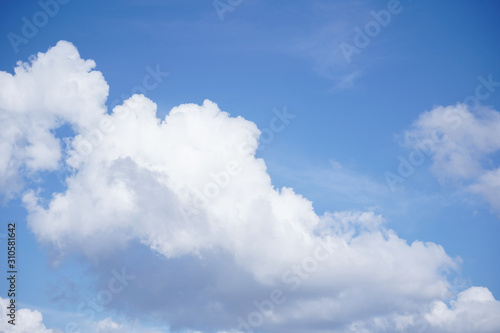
(108,325)
(57,87)
(462,145)
(474,310)
(143,181)
(31,321)
(190,188)
(26,320)
(488,185)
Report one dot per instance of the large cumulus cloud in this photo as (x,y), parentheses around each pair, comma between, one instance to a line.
(189,192)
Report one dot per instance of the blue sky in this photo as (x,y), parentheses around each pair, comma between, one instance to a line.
(351,122)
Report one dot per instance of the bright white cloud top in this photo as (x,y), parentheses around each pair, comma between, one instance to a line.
(27,321)
(190,186)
